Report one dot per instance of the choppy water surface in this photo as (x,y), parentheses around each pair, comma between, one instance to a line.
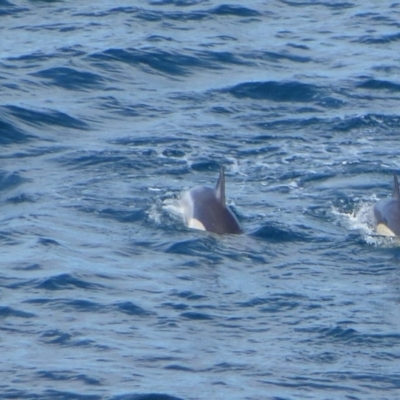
(108,110)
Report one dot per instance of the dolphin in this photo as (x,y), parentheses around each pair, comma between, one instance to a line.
(387,213)
(204,208)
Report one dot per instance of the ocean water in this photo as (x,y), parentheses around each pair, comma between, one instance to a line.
(108,110)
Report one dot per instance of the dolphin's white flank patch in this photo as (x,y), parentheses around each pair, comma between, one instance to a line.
(195,224)
(382,229)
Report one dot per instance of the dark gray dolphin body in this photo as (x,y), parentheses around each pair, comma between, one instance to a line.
(205,208)
(387,213)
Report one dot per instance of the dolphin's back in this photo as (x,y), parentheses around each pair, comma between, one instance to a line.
(204,208)
(205,211)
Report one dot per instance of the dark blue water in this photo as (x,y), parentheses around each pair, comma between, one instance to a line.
(109,110)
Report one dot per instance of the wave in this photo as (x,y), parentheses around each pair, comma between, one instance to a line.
(287,92)
(70,78)
(148,396)
(9,133)
(6,312)
(151,15)
(352,336)
(8,8)
(46,117)
(10,180)
(278,233)
(169,62)
(67,376)
(276,91)
(383,39)
(377,84)
(66,281)
(381,122)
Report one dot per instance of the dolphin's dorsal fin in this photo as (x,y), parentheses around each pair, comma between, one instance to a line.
(220,188)
(396,191)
